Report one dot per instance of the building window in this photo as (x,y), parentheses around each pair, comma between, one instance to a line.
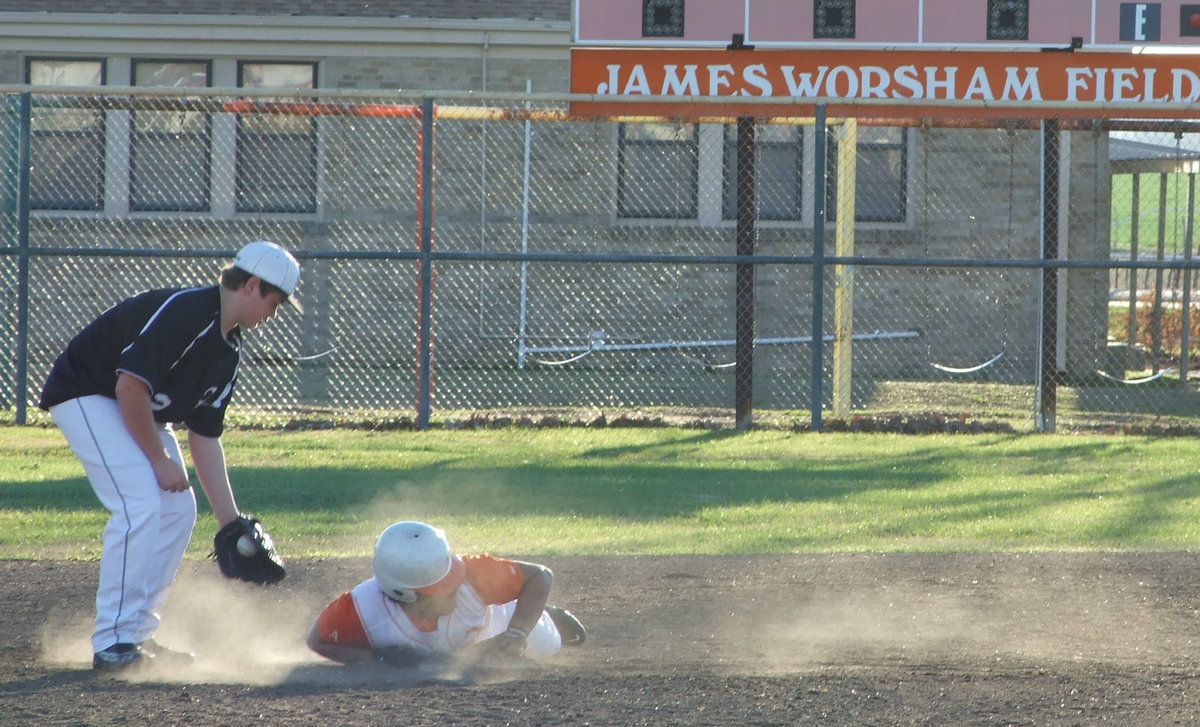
(276,153)
(778,178)
(880,175)
(170,150)
(658,171)
(689,172)
(67,144)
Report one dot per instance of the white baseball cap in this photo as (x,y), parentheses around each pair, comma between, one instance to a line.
(271,264)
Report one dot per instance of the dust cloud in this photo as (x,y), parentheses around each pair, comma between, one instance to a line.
(1006,614)
(240,633)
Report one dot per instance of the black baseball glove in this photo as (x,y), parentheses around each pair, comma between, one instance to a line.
(499,649)
(245,551)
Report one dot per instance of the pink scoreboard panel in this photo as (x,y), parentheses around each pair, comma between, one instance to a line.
(1015,24)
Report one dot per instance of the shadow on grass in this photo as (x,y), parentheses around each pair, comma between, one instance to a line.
(917,493)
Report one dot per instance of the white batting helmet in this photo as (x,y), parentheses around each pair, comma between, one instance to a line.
(412,557)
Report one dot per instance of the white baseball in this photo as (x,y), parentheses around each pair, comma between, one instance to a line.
(246,546)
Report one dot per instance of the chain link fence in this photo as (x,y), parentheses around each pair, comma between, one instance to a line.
(473,259)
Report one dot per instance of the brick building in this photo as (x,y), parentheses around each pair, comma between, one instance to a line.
(922,191)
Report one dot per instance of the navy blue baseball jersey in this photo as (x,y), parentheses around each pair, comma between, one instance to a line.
(169,338)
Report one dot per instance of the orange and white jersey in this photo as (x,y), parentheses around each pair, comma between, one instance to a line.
(365,617)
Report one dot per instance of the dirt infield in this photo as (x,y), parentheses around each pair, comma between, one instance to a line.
(844,639)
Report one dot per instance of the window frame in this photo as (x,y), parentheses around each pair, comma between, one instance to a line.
(831,202)
(717,173)
(303,197)
(204,137)
(729,174)
(689,149)
(92,200)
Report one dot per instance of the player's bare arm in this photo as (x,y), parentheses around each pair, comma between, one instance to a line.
(537,581)
(133,398)
(208,457)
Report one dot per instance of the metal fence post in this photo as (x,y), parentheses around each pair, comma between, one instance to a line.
(1048,360)
(425,281)
(818,270)
(1185,293)
(744,293)
(20,394)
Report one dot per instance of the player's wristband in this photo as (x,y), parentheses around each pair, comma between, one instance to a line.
(515,632)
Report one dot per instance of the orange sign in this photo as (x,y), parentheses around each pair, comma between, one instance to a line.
(1080,84)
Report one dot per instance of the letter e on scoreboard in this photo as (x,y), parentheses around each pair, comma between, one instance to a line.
(1141,22)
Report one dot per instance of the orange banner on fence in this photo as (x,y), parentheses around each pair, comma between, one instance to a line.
(921,83)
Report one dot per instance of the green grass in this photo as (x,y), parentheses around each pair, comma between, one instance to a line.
(1175,223)
(654,491)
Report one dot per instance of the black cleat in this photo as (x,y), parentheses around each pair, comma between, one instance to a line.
(120,657)
(569,628)
(166,657)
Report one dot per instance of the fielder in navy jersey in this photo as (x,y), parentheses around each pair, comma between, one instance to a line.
(160,358)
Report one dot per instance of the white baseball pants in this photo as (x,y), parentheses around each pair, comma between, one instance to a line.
(148,529)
